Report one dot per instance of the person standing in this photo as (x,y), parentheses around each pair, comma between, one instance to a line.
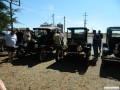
(57,38)
(19,35)
(10,42)
(27,35)
(62,37)
(96,39)
(101,36)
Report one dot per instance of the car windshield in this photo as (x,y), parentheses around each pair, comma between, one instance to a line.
(39,33)
(76,33)
(116,33)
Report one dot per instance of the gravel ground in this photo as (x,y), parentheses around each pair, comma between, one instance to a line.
(70,74)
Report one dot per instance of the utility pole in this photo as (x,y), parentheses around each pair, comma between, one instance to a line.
(11,12)
(85,20)
(64,24)
(53,19)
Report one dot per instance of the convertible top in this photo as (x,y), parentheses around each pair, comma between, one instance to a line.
(47,28)
(70,28)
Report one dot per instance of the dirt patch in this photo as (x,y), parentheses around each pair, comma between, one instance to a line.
(29,73)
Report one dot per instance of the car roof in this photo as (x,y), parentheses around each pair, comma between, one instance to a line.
(47,28)
(71,28)
(5,32)
(113,29)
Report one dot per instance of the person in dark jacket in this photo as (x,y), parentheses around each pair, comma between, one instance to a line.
(101,36)
(96,39)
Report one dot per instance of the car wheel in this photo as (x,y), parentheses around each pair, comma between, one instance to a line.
(43,55)
(20,52)
(87,58)
(103,63)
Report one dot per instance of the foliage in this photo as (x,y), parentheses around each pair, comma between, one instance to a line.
(5,19)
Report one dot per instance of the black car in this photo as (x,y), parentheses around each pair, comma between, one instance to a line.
(111,49)
(41,43)
(76,43)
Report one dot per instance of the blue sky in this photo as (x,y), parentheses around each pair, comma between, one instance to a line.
(101,13)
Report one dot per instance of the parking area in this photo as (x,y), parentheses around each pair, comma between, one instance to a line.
(29,73)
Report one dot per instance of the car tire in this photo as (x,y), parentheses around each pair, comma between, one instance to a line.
(21,52)
(87,58)
(42,55)
(103,65)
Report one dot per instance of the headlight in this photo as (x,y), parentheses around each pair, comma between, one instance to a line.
(36,45)
(116,51)
(116,46)
(65,47)
(79,48)
(25,44)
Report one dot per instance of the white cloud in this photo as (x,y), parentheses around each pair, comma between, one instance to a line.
(50,7)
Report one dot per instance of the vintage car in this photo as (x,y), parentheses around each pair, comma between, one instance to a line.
(26,48)
(41,43)
(111,49)
(76,43)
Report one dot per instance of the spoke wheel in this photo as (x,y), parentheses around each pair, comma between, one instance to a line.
(20,52)
(43,55)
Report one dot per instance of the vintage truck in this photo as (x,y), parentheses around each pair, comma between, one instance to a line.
(111,49)
(76,43)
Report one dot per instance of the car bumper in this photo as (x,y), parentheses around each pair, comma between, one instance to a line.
(111,58)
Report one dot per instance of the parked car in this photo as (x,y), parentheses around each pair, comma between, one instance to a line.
(1,40)
(111,49)
(76,43)
(41,43)
(2,35)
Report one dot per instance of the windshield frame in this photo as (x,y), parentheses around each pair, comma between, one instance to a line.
(75,32)
(115,33)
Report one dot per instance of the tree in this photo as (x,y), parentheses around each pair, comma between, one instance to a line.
(4,16)
(5,13)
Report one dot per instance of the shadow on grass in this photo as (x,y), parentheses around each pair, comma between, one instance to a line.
(70,63)
(111,71)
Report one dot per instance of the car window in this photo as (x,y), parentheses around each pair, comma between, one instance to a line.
(115,33)
(39,33)
(76,33)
